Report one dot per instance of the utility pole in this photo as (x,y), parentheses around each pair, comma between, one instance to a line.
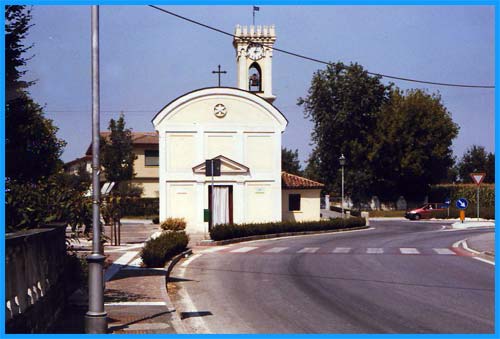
(95,319)
(342,163)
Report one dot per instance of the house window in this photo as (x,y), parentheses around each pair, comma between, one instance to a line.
(152,157)
(294,202)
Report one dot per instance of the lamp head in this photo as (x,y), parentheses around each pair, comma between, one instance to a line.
(342,160)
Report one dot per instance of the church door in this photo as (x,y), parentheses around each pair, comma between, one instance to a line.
(221,204)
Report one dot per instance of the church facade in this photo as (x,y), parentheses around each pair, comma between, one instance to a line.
(238,126)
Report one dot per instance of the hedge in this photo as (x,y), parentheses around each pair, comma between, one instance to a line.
(156,252)
(224,232)
(139,207)
(438,193)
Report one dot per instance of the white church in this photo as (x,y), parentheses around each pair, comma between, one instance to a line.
(241,127)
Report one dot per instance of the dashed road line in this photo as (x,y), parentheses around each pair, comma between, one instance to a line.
(244,249)
(409,250)
(308,250)
(372,250)
(276,250)
(445,251)
(342,250)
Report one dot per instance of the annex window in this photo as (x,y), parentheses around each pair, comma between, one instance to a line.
(152,157)
(294,202)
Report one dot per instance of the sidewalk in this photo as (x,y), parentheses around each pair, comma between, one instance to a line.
(483,243)
(135,298)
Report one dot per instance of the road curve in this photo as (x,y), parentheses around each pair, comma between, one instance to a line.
(400,277)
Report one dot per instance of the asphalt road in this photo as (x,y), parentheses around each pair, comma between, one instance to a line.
(400,277)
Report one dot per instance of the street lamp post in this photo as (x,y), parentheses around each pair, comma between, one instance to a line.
(95,319)
(342,163)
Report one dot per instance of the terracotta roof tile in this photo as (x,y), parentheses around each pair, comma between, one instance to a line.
(138,138)
(292,181)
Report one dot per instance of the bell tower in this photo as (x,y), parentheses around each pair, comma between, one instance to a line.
(254,57)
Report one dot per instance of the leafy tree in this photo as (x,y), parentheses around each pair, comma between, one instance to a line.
(290,161)
(32,149)
(117,157)
(476,159)
(411,145)
(343,103)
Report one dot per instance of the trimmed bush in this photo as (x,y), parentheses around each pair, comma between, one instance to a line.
(224,232)
(156,252)
(174,224)
(140,207)
(439,193)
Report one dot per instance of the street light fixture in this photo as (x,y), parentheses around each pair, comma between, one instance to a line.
(342,163)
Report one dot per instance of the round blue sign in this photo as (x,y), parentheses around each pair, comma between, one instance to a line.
(462,203)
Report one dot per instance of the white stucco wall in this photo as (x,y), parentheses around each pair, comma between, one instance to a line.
(249,134)
(309,205)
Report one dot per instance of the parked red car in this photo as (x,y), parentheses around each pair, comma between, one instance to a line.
(426,212)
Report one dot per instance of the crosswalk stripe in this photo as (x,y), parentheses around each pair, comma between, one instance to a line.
(243,249)
(342,250)
(308,250)
(372,250)
(276,250)
(411,250)
(443,251)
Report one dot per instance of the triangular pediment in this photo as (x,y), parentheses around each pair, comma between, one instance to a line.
(227,166)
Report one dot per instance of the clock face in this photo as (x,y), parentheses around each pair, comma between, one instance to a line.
(255,51)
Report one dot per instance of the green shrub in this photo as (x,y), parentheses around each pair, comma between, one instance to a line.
(156,220)
(470,212)
(29,205)
(156,252)
(438,193)
(174,224)
(337,209)
(140,207)
(223,232)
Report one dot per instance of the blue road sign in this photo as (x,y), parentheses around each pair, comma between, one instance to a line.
(447,201)
(462,203)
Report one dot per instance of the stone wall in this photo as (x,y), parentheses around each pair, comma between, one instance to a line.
(35,263)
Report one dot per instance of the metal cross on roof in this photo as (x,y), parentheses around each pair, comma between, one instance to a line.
(219,72)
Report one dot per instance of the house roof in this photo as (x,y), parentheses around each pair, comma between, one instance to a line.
(292,181)
(78,160)
(138,138)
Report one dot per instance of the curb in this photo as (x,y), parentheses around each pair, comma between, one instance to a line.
(176,320)
(462,244)
(275,235)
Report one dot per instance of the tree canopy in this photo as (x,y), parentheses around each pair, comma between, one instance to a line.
(395,143)
(290,161)
(476,159)
(32,149)
(343,103)
(117,157)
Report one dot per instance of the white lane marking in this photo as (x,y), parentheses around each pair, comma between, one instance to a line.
(189,260)
(466,246)
(136,303)
(372,250)
(136,263)
(276,250)
(409,250)
(118,264)
(146,326)
(197,324)
(342,250)
(214,249)
(308,250)
(444,251)
(485,260)
(243,249)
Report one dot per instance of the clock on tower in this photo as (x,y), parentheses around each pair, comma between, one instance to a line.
(254,55)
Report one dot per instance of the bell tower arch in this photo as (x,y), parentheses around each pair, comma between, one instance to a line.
(254,55)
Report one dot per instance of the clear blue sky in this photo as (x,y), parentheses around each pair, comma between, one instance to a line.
(149,58)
